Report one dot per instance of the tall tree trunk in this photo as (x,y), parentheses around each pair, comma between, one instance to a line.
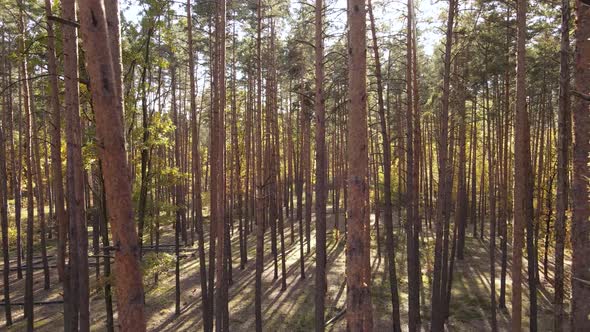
(104,229)
(473,170)
(15,179)
(388,210)
(29,170)
(523,199)
(259,192)
(178,197)
(217,169)
(444,167)
(108,108)
(236,153)
(503,215)
(563,143)
(307,166)
(269,162)
(145,149)
(321,189)
(196,170)
(492,198)
(209,183)
(75,176)
(56,162)
(462,200)
(39,186)
(4,205)
(359,311)
(299,186)
(581,178)
(412,222)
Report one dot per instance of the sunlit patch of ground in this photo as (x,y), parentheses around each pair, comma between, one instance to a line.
(293,309)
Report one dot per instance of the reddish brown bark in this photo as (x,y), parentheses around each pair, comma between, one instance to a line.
(359,311)
(108,113)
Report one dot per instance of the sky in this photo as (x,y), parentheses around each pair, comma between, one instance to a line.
(427,15)
(427,12)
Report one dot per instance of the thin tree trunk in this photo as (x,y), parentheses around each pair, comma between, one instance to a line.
(505,174)
(145,149)
(306,168)
(178,197)
(4,206)
(388,210)
(16,174)
(39,186)
(321,170)
(462,200)
(259,192)
(299,187)
(473,169)
(56,161)
(412,222)
(29,171)
(196,170)
(492,198)
(104,228)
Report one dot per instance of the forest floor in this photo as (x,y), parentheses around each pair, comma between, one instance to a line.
(293,309)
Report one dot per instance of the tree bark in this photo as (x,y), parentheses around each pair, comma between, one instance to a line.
(492,198)
(178,197)
(28,309)
(108,108)
(321,170)
(79,286)
(196,170)
(145,148)
(563,143)
(4,206)
(581,177)
(522,174)
(438,285)
(217,169)
(359,311)
(412,222)
(39,186)
(56,162)
(259,191)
